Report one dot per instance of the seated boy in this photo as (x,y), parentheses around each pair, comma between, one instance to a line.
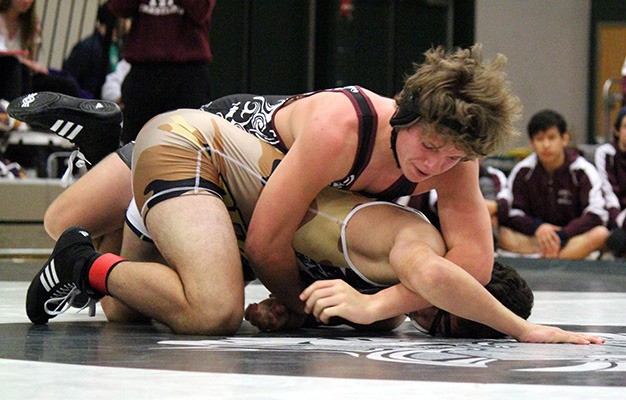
(557,206)
(610,159)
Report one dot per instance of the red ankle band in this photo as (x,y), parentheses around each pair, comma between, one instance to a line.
(100,270)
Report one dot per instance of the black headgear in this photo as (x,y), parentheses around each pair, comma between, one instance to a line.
(408,114)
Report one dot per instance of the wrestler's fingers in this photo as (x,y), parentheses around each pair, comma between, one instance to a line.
(326,309)
(592,339)
(315,297)
(322,303)
(316,286)
(256,317)
(249,310)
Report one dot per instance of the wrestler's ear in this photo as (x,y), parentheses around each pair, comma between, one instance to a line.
(406,114)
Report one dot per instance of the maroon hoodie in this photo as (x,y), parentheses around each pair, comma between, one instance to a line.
(571,198)
(166,31)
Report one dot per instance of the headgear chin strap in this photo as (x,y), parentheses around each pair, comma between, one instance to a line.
(406,115)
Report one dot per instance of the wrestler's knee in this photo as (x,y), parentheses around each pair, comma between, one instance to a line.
(55,220)
(220,318)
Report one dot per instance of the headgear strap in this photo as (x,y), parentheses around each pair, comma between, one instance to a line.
(408,113)
(441,314)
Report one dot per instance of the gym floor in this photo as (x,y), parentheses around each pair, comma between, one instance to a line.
(78,357)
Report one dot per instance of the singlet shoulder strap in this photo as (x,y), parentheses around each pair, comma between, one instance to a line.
(367,124)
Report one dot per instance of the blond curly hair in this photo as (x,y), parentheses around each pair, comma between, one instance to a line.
(463,99)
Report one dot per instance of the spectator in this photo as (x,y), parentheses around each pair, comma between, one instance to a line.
(557,206)
(20,33)
(96,56)
(610,159)
(180,58)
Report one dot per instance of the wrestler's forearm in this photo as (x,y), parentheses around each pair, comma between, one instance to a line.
(448,287)
(282,279)
(395,300)
(478,264)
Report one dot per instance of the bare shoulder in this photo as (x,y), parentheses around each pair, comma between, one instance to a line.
(332,108)
(325,117)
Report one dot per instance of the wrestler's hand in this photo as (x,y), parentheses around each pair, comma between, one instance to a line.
(335,298)
(271,315)
(535,333)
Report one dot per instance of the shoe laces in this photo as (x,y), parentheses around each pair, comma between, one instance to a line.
(68,176)
(92,307)
(61,299)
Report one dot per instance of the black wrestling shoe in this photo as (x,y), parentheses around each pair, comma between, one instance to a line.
(60,281)
(94,126)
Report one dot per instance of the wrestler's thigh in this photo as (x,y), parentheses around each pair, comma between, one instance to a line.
(136,249)
(194,233)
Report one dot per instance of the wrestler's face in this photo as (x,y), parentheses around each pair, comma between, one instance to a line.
(424,155)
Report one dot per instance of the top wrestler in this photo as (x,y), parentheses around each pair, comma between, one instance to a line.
(452,110)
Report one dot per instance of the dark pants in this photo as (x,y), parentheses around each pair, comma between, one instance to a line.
(17,80)
(14,78)
(152,89)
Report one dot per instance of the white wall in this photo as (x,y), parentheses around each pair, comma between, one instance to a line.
(547,45)
(63,25)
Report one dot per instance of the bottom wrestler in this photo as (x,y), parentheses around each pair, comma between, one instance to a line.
(349,249)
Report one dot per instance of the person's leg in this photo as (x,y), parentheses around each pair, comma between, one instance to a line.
(96,202)
(133,248)
(616,242)
(176,176)
(203,292)
(141,100)
(579,247)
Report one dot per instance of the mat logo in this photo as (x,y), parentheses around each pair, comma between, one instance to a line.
(528,357)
